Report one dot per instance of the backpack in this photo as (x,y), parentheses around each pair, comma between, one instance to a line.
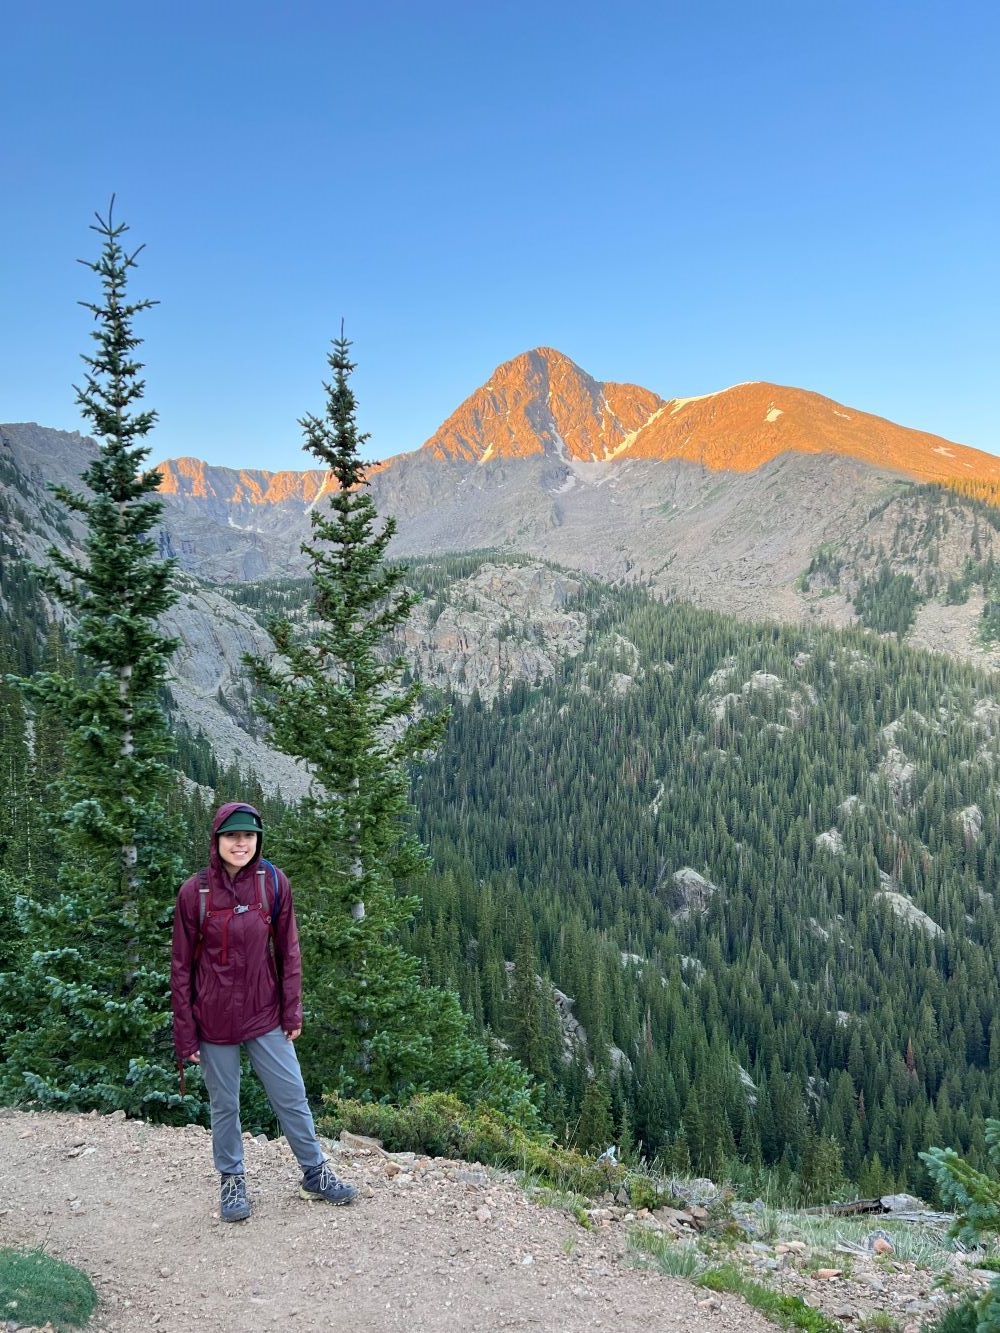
(268,911)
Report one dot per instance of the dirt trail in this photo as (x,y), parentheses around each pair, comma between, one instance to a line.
(447,1247)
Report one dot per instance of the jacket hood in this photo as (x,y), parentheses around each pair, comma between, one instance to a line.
(219,818)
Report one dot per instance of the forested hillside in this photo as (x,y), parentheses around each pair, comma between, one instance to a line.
(762,863)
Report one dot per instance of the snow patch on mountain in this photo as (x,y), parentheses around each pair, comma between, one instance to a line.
(630,438)
(561,450)
(676,404)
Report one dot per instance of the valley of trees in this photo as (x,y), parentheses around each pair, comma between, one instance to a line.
(807,775)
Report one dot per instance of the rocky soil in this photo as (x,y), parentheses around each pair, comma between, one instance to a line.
(428,1245)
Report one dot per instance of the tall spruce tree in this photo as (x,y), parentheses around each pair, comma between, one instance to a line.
(91,1005)
(336,699)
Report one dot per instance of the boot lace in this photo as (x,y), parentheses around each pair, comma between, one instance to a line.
(326,1179)
(233,1189)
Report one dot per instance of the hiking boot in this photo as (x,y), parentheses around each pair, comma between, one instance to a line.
(234,1206)
(319,1182)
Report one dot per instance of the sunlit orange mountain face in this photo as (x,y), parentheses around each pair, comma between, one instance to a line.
(541,402)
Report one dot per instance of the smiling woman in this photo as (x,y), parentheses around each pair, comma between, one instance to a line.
(239,840)
(236,982)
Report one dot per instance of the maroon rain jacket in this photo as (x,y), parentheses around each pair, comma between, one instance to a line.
(236,985)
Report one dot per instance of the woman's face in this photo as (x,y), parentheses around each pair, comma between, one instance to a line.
(237,849)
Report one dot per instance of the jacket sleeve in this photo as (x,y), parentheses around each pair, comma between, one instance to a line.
(181,971)
(289,960)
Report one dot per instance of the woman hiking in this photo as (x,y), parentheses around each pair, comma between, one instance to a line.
(236,980)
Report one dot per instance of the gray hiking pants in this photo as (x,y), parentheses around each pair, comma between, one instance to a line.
(277,1066)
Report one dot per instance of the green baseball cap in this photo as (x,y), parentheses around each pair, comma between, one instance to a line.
(242,821)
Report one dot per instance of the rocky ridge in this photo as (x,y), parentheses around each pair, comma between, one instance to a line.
(502,624)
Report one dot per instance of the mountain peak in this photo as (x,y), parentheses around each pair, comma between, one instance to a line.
(542,403)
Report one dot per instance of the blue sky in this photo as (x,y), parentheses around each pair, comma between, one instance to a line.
(681,195)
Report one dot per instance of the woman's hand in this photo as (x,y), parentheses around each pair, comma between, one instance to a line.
(195,1057)
(292,1033)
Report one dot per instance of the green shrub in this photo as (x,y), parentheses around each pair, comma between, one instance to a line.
(963,1318)
(975,1197)
(441,1125)
(645,1192)
(428,1123)
(37,1289)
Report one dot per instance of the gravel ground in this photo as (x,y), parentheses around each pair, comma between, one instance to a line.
(432,1247)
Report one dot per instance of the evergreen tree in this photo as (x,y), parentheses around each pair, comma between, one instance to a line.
(336,700)
(91,1003)
(525,1016)
(975,1197)
(821,1177)
(15,771)
(596,1130)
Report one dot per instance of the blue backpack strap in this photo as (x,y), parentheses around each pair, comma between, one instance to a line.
(204,897)
(276,896)
(276,907)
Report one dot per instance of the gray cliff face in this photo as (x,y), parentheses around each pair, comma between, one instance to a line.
(502,624)
(678,523)
(208,678)
(31,459)
(738,542)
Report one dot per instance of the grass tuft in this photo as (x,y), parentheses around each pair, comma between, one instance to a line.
(963,1318)
(786,1311)
(673,1258)
(37,1289)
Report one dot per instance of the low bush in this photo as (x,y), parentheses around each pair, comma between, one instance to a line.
(441,1125)
(646,1192)
(962,1318)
